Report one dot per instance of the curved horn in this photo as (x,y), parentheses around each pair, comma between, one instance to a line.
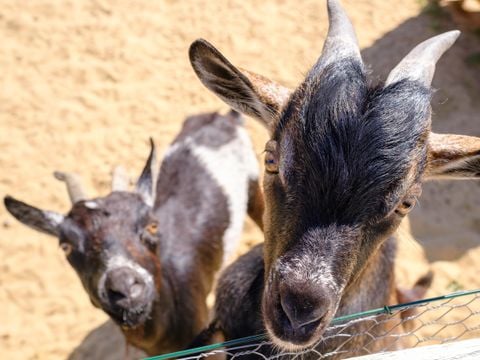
(419,64)
(74,188)
(341,41)
(145,182)
(120,179)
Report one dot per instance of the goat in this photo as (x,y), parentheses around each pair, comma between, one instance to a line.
(237,310)
(149,258)
(344,164)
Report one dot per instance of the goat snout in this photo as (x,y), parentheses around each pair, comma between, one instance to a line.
(304,307)
(125,288)
(297,312)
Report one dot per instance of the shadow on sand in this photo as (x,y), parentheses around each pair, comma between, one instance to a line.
(106,342)
(447,220)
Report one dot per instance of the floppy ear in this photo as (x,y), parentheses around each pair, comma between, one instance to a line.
(244,91)
(453,157)
(40,220)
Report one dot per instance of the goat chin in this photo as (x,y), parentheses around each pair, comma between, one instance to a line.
(283,346)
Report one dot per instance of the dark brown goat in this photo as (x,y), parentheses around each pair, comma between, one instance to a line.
(344,164)
(149,258)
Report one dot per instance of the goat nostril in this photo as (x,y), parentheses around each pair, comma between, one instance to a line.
(289,311)
(115,296)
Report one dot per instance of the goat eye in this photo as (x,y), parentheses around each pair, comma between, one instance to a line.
(150,235)
(406,206)
(67,248)
(271,163)
(152,228)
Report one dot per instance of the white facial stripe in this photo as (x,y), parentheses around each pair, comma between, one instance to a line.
(120,261)
(309,268)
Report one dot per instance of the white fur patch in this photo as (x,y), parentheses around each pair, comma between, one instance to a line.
(309,268)
(174,148)
(232,165)
(92,205)
(119,261)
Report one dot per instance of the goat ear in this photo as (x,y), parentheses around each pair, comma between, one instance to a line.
(145,183)
(40,220)
(453,157)
(244,91)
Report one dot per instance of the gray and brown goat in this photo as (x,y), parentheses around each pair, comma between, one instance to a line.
(237,313)
(344,164)
(149,258)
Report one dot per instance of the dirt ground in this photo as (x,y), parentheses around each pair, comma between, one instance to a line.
(86,83)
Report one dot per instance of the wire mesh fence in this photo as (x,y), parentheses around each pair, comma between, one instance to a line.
(426,322)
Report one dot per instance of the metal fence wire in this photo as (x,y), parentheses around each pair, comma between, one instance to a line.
(426,322)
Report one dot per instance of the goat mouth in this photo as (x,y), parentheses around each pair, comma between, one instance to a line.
(298,338)
(129,319)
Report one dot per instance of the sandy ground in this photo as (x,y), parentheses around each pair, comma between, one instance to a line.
(85,83)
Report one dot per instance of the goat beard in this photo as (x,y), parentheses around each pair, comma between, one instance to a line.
(131,318)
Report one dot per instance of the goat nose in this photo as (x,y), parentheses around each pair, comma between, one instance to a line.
(124,287)
(303,306)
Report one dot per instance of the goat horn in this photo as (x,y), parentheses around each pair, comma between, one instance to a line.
(419,64)
(74,188)
(341,41)
(120,179)
(146,181)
